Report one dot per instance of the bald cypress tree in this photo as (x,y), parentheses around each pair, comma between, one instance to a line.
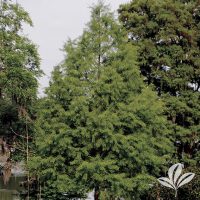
(100,127)
(167,34)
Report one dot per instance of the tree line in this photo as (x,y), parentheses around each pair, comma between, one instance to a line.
(120,109)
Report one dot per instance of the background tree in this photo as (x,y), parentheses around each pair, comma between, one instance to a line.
(167,34)
(99,127)
(19,69)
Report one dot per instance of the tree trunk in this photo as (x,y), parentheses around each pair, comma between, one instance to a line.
(96,194)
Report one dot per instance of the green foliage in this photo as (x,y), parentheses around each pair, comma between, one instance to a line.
(19,60)
(100,127)
(167,35)
(19,69)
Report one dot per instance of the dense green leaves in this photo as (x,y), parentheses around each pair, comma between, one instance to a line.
(19,69)
(168,41)
(167,35)
(100,127)
(19,61)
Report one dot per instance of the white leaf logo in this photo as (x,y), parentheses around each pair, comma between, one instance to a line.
(166,182)
(186,178)
(175,179)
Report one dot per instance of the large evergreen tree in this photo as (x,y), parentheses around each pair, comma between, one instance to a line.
(167,34)
(100,127)
(19,69)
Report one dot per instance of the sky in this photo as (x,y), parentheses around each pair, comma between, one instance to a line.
(55,21)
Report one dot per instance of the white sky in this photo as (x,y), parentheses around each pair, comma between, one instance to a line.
(54,22)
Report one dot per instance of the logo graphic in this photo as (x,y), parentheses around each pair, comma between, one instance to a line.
(175,179)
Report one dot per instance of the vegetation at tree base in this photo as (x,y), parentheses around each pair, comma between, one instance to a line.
(119,110)
(19,68)
(167,35)
(100,127)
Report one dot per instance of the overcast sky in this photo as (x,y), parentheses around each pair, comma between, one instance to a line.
(54,22)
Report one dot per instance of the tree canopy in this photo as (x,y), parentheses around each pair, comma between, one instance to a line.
(121,107)
(167,35)
(100,127)
(19,69)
